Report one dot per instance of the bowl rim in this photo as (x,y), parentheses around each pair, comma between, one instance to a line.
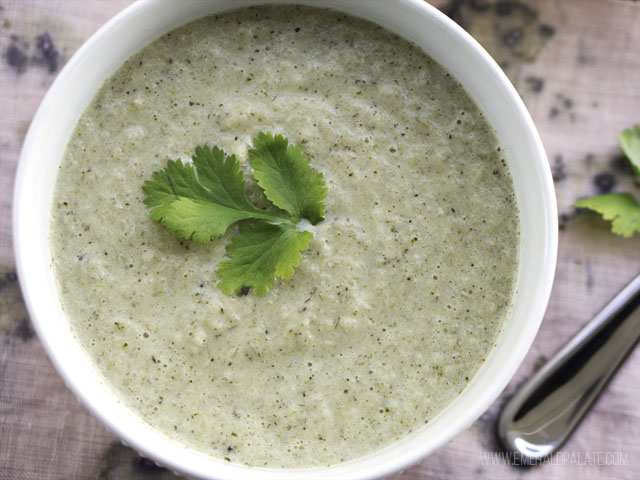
(396,455)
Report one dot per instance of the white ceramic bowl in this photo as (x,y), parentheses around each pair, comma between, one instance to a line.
(413,19)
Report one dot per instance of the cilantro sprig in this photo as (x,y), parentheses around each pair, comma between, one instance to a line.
(622,209)
(200,201)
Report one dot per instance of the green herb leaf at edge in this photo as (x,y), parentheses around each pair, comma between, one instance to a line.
(621,209)
(283,172)
(630,144)
(260,253)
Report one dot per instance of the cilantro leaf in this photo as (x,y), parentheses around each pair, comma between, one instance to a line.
(630,143)
(283,172)
(621,208)
(261,252)
(202,200)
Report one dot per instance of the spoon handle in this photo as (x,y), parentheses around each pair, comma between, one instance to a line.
(548,407)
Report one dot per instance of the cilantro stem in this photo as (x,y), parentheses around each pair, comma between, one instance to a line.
(272,217)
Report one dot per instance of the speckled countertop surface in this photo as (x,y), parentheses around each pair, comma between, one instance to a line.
(577,66)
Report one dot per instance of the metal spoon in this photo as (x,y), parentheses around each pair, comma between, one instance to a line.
(539,418)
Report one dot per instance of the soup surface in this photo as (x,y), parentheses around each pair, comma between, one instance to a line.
(396,303)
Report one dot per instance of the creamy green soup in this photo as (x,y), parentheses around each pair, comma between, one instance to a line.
(395,305)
